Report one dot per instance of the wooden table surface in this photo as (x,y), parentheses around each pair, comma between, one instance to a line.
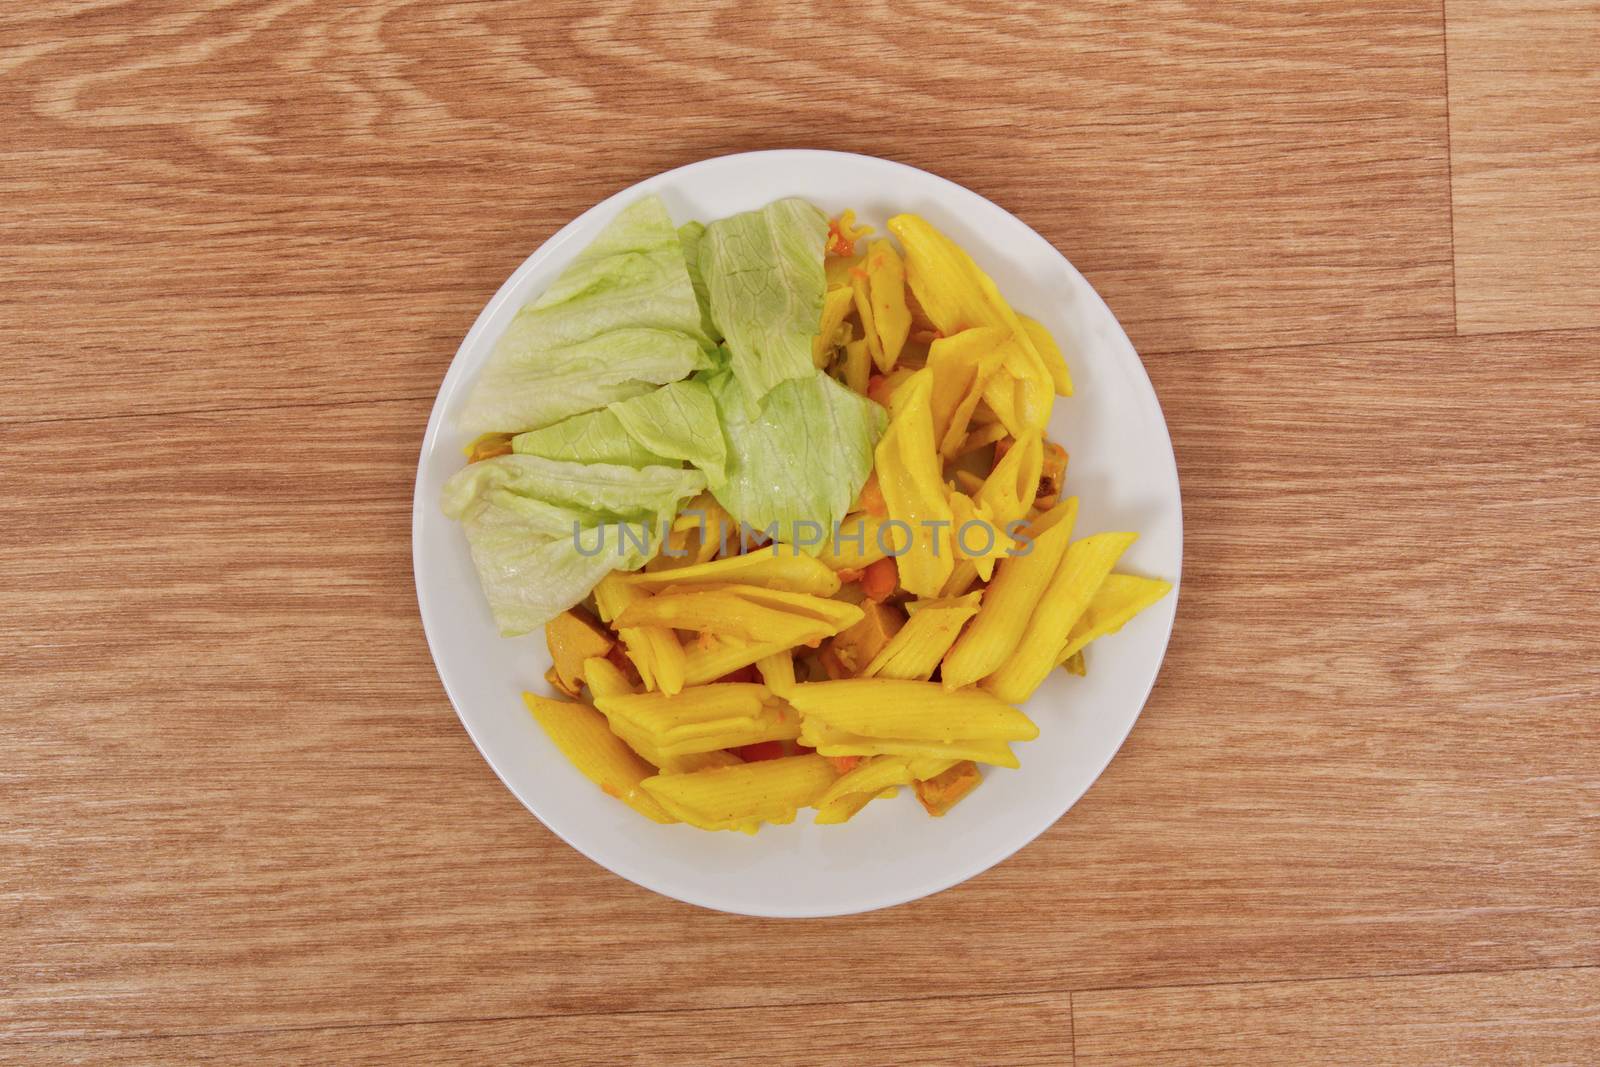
(1358,246)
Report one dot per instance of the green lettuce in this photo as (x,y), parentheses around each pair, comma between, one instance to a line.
(679,421)
(544,532)
(676,422)
(689,235)
(622,318)
(593,437)
(764,278)
(801,455)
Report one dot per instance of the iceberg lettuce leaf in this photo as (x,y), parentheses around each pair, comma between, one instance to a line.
(764,278)
(802,454)
(593,437)
(544,532)
(689,235)
(679,421)
(622,317)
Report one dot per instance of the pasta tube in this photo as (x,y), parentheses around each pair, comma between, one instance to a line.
(846,807)
(772,567)
(861,541)
(835,306)
(654,650)
(892,708)
(858,366)
(704,665)
(870,776)
(731,798)
(583,737)
(916,649)
(957,295)
(1082,570)
(1119,598)
(908,470)
(1008,604)
(891,318)
(777,672)
(962,575)
(977,537)
(1010,489)
(749,613)
(1050,353)
(962,366)
(605,680)
(702,718)
(831,742)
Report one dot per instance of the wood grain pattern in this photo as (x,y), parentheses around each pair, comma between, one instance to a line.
(238,818)
(1525,134)
(293,202)
(1533,1017)
(239,800)
(948,1032)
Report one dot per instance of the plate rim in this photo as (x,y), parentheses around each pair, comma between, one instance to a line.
(552,246)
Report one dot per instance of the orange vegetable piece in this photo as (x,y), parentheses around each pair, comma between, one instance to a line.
(940,793)
(871,500)
(880,578)
(574,636)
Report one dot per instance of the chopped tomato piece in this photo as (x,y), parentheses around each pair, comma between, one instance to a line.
(761,750)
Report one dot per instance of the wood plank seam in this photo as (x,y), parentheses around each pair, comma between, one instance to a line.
(1449,157)
(469,1020)
(1362,977)
(1189,353)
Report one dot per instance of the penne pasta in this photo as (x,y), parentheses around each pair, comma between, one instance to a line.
(845,808)
(777,672)
(704,665)
(956,295)
(892,708)
(962,577)
(730,798)
(915,650)
(859,543)
(858,366)
(869,777)
(1119,598)
(749,613)
(962,366)
(774,567)
(908,472)
(835,306)
(891,318)
(1011,487)
(830,742)
(1048,351)
(1009,602)
(582,735)
(654,650)
(1083,568)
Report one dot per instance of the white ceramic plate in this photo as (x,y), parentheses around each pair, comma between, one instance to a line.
(1122,470)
